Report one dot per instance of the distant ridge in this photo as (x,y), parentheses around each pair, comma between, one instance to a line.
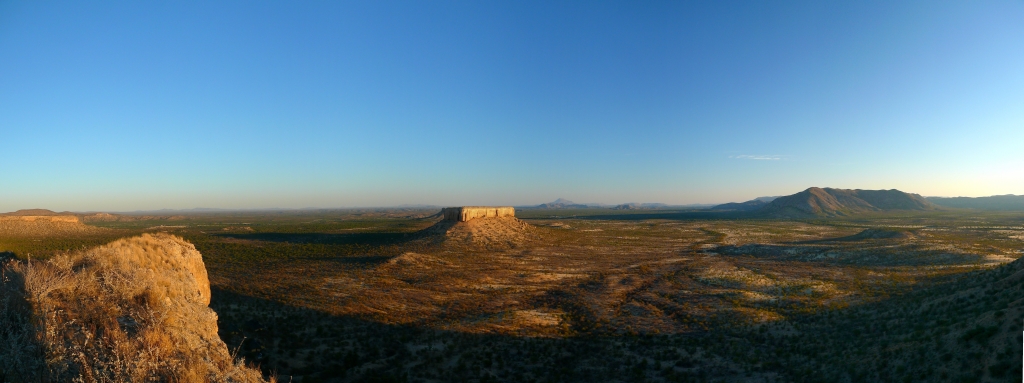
(42,223)
(34,212)
(828,202)
(751,205)
(1007,202)
(562,203)
(639,206)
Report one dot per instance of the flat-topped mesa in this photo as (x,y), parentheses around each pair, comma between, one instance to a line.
(466,213)
(44,218)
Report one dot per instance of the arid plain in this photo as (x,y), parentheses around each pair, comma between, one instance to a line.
(600,294)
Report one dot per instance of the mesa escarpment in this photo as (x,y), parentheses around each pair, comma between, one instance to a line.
(135,309)
(481,226)
(43,225)
(92,216)
(467,213)
(42,218)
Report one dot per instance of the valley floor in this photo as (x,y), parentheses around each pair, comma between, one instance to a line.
(592,296)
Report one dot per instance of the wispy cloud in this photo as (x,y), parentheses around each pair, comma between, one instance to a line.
(758,157)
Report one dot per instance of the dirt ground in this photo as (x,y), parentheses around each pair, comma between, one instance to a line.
(559,277)
(619,297)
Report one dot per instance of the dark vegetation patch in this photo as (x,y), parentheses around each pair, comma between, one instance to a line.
(867,234)
(874,254)
(372,239)
(292,341)
(966,329)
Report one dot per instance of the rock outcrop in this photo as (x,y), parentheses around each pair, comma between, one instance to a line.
(496,232)
(467,213)
(42,225)
(41,218)
(135,309)
(492,227)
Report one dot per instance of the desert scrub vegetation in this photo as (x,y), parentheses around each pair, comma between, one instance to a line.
(133,310)
(646,296)
(965,329)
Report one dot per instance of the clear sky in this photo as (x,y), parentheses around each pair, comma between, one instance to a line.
(176,104)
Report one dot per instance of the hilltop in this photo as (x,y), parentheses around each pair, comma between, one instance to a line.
(34,212)
(89,216)
(829,202)
(562,203)
(38,222)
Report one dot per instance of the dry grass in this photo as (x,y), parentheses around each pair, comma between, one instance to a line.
(132,310)
(41,226)
(490,233)
(345,298)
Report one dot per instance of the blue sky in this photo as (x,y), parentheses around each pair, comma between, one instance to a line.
(149,105)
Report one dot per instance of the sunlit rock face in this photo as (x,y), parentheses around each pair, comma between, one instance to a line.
(132,310)
(43,225)
(466,213)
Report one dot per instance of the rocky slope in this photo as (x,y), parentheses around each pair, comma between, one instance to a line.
(751,205)
(132,310)
(1007,202)
(43,225)
(828,202)
(502,232)
(967,330)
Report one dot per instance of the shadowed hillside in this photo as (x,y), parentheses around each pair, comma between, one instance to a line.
(1007,202)
(967,330)
(828,202)
(751,205)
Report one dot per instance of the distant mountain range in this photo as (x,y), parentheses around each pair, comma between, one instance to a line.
(751,205)
(639,206)
(89,216)
(813,202)
(829,202)
(34,212)
(563,203)
(1008,202)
